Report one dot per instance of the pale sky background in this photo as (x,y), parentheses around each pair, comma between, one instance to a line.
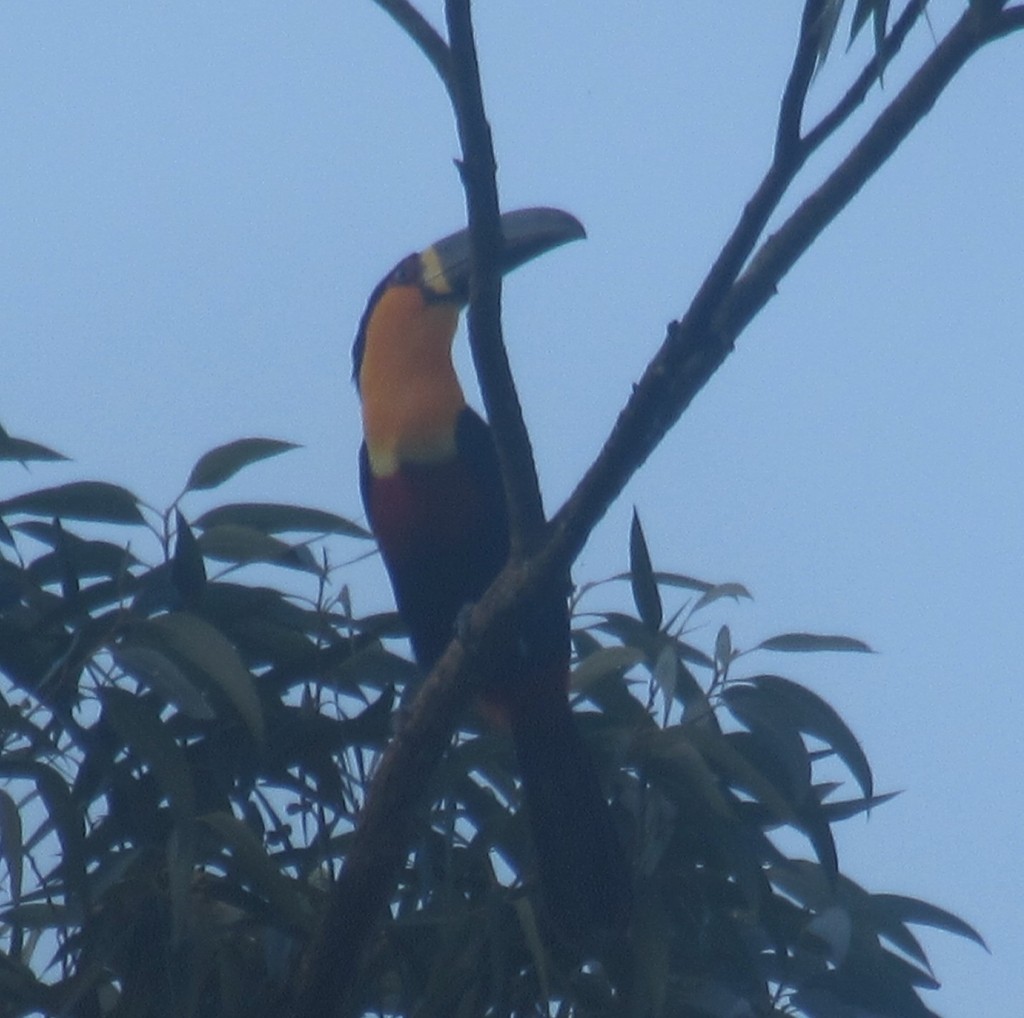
(196,199)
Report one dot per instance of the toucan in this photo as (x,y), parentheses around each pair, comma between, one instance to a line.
(434,498)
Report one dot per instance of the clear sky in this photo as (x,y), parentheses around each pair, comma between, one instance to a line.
(196,199)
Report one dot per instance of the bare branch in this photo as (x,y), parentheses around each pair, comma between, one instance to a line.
(490,358)
(697,345)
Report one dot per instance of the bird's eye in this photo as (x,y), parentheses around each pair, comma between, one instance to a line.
(407,271)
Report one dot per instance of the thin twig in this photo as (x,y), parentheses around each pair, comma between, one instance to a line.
(873,70)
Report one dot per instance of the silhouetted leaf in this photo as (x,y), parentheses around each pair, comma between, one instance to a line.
(155,669)
(11,844)
(87,558)
(207,649)
(808,643)
(812,715)
(277,518)
(250,858)
(645,587)
(736,591)
(604,662)
(235,543)
(21,450)
(138,723)
(878,10)
(216,466)
(913,910)
(63,817)
(846,808)
(188,573)
(79,500)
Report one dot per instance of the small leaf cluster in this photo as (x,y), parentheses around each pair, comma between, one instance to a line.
(186,737)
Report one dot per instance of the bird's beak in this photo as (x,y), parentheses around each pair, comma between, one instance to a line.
(447,264)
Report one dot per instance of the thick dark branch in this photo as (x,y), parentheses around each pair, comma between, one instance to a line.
(1010,20)
(490,358)
(381,842)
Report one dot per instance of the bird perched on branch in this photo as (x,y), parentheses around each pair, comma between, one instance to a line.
(434,496)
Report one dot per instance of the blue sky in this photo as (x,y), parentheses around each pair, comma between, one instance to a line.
(197,199)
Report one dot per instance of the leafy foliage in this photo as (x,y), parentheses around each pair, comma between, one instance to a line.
(184,755)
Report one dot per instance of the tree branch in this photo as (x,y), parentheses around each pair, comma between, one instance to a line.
(693,349)
(697,344)
(791,110)
(519,473)
(873,70)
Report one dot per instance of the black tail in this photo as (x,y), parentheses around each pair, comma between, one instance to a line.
(583,872)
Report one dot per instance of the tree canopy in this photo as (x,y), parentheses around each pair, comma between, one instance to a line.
(223,794)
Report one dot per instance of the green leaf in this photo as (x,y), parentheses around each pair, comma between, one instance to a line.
(279,518)
(21,450)
(152,667)
(723,649)
(878,10)
(828,20)
(254,866)
(138,723)
(603,663)
(913,910)
(217,465)
(243,545)
(81,500)
(734,590)
(665,672)
(87,558)
(12,844)
(188,573)
(809,643)
(208,650)
(812,715)
(645,587)
(64,817)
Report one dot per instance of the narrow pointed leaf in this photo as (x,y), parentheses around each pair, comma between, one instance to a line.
(80,500)
(139,725)
(812,715)
(156,670)
(207,649)
(809,643)
(604,662)
(243,545)
(11,844)
(913,910)
(216,466)
(278,518)
(736,591)
(64,816)
(188,572)
(645,586)
(21,450)
(259,870)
